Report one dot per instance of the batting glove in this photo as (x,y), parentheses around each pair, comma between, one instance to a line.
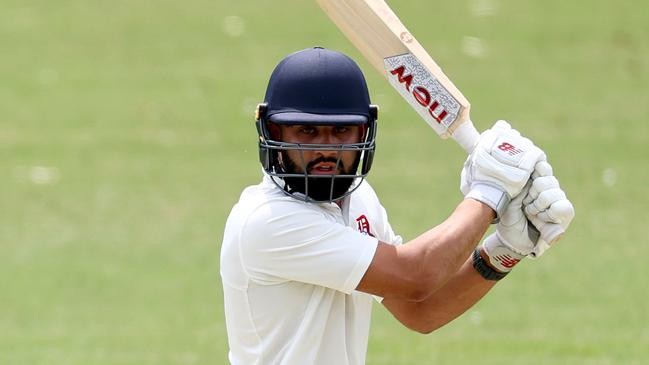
(499,166)
(514,237)
(546,203)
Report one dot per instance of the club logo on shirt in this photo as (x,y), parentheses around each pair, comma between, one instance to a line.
(364,225)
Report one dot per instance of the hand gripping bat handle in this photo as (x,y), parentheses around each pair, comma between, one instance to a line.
(550,232)
(467,136)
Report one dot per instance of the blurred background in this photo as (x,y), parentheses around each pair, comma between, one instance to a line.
(126,135)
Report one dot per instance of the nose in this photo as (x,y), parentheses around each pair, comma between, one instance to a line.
(327,137)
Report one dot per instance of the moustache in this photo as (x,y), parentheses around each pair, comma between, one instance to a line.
(321,159)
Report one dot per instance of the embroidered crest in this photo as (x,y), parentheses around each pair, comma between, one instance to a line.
(364,225)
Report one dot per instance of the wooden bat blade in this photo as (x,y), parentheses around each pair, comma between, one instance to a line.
(386,43)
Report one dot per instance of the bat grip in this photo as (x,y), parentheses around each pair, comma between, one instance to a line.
(467,136)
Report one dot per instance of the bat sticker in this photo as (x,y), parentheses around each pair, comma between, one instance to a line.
(422,90)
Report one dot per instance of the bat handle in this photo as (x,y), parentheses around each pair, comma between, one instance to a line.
(467,136)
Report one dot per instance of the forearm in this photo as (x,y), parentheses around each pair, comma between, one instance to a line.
(439,253)
(416,269)
(460,293)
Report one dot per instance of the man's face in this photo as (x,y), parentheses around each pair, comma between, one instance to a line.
(319,162)
(322,162)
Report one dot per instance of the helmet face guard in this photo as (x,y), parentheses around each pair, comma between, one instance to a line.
(293,177)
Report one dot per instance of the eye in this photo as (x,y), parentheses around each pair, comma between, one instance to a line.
(307,130)
(341,129)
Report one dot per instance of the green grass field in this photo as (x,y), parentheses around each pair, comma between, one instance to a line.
(126,135)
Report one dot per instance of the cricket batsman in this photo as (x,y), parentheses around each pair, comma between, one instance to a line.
(308,250)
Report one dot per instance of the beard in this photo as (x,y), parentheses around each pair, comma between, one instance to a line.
(320,187)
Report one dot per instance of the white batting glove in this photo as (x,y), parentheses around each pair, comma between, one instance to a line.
(546,203)
(499,166)
(514,238)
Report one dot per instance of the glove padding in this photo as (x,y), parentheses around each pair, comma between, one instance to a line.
(499,166)
(546,203)
(514,238)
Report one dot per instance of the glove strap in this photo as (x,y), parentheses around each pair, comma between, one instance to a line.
(494,197)
(500,257)
(484,269)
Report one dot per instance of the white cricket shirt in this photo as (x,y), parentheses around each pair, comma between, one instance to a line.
(289,271)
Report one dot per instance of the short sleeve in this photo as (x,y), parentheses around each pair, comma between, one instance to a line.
(385,232)
(288,241)
(390,237)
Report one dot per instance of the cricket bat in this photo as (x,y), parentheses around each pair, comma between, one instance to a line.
(386,43)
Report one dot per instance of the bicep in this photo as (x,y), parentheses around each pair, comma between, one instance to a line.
(415,270)
(391,274)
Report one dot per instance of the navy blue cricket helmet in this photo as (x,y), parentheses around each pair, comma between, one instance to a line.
(316,86)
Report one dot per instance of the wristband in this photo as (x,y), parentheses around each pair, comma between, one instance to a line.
(490,195)
(484,269)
